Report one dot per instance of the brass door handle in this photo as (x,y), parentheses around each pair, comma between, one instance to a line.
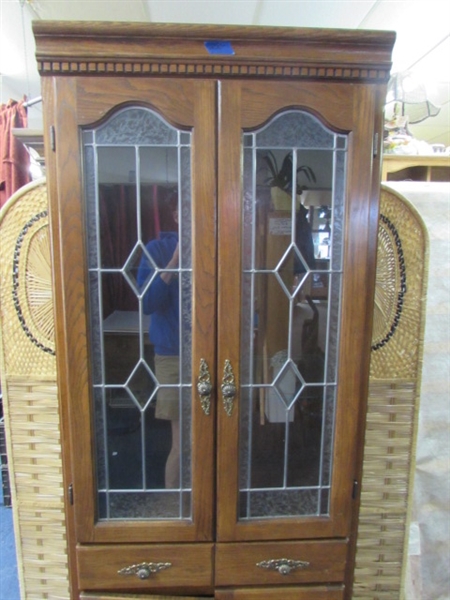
(284,566)
(228,388)
(144,570)
(204,386)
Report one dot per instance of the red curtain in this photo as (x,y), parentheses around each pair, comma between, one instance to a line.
(119,236)
(15,161)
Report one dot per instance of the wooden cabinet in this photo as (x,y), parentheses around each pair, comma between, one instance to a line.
(215,447)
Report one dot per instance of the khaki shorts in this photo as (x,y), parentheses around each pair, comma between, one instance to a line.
(167,370)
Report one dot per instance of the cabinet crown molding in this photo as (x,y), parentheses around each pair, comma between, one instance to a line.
(87,48)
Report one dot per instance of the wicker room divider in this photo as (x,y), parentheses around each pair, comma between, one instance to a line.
(30,395)
(31,403)
(393,402)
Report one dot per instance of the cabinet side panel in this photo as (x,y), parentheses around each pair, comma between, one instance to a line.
(48,91)
(368,110)
(70,294)
(359,261)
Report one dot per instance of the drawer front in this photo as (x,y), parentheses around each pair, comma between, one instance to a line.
(155,567)
(286,593)
(284,563)
(133,596)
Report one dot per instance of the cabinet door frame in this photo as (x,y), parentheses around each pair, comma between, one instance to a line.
(80,101)
(346,108)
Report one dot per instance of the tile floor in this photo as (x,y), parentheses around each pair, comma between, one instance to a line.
(9,583)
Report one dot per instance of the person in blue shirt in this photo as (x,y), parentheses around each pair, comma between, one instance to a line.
(161,301)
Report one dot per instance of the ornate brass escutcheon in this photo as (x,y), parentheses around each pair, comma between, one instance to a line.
(284,566)
(204,386)
(228,388)
(144,570)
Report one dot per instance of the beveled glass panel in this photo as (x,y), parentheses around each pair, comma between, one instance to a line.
(138,211)
(293,231)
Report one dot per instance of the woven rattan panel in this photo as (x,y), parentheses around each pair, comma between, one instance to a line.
(393,401)
(30,395)
(400,290)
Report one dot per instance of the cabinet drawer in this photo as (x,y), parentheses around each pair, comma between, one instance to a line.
(286,593)
(188,566)
(262,564)
(133,596)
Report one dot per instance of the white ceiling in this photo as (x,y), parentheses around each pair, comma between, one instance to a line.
(422,26)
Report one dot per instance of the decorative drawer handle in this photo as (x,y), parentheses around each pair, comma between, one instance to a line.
(144,570)
(228,388)
(204,386)
(283,565)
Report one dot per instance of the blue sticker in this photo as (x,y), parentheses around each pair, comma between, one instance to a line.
(219,47)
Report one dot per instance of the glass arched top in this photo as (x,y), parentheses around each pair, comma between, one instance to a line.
(136,126)
(297,129)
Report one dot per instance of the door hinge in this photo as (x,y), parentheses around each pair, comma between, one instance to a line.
(70,494)
(355,490)
(375,145)
(52,138)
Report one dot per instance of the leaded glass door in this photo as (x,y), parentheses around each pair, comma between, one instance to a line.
(141,300)
(292,279)
(138,205)
(293,418)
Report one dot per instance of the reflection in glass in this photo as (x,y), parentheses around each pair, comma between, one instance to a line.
(293,212)
(138,219)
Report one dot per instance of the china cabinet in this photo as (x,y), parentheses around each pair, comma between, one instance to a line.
(212,345)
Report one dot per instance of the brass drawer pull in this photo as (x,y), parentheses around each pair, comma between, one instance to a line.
(228,388)
(283,565)
(144,570)
(204,386)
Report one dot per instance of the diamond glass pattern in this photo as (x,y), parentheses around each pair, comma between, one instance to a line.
(292,276)
(141,384)
(288,384)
